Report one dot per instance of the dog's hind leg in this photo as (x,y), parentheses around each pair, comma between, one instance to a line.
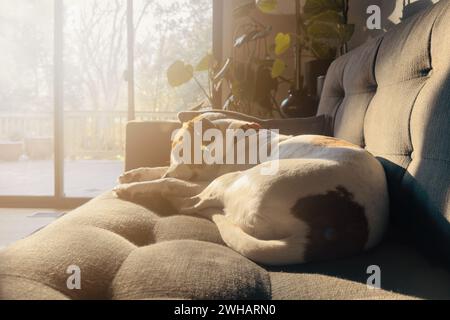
(210,197)
(268,252)
(193,205)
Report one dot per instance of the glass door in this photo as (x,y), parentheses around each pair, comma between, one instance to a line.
(26,98)
(95,95)
(167,31)
(73,73)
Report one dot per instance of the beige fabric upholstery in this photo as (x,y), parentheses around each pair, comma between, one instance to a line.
(320,125)
(404,273)
(143,140)
(391,96)
(125,251)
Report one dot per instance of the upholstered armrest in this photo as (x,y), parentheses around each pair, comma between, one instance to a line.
(148,143)
(320,125)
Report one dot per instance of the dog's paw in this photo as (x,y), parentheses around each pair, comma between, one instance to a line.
(185,205)
(124,191)
(129,177)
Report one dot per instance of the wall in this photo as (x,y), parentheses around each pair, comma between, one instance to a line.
(392,12)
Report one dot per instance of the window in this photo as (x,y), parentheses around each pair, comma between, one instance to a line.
(161,38)
(26,98)
(74,72)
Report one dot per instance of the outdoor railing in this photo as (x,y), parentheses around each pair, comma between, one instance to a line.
(87,134)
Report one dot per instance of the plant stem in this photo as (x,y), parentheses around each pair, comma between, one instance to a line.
(203,90)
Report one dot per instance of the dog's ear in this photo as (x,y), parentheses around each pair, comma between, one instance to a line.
(251,125)
(206,124)
(186,116)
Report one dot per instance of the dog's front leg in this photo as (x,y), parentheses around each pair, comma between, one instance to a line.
(142,174)
(167,186)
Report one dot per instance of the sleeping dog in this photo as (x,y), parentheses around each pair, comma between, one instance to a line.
(328,198)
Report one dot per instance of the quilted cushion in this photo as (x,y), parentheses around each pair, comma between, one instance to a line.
(125,251)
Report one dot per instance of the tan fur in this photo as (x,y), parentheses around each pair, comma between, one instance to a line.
(332,142)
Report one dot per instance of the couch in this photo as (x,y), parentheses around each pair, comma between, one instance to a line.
(391,96)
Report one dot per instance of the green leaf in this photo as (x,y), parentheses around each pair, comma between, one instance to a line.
(282,43)
(322,50)
(333,35)
(278,68)
(314,7)
(179,73)
(325,33)
(328,16)
(267,6)
(205,63)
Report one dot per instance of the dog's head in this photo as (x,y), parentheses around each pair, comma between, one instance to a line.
(197,139)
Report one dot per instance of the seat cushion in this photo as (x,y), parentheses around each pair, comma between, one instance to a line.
(404,274)
(189,270)
(125,251)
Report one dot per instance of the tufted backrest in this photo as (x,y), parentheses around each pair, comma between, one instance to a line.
(392,96)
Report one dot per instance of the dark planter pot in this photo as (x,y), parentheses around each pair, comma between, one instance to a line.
(299,104)
(11,151)
(313,70)
(39,148)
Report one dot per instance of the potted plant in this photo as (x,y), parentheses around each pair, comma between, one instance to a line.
(11,149)
(39,148)
(254,72)
(322,33)
(247,74)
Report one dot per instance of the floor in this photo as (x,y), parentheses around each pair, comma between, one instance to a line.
(82,179)
(16,224)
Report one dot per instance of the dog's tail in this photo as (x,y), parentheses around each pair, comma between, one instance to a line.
(267,252)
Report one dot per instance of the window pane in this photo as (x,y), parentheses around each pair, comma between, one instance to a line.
(167,31)
(95,93)
(26,97)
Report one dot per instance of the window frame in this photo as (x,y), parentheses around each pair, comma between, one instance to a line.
(59,200)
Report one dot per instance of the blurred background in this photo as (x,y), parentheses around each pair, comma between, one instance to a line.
(95,86)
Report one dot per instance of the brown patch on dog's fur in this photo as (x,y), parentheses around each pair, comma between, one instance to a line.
(333,142)
(338,225)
